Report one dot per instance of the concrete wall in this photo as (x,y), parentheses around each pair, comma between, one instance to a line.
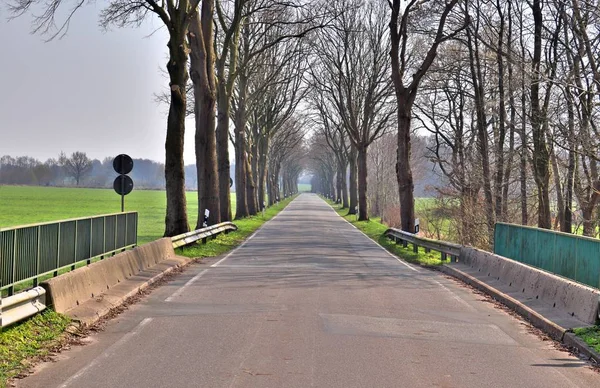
(74,288)
(576,299)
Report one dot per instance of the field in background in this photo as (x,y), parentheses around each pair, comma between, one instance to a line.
(304,187)
(20,205)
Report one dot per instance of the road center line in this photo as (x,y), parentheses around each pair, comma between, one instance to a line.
(107,353)
(186,285)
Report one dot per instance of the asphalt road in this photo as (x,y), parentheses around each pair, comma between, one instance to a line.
(310,301)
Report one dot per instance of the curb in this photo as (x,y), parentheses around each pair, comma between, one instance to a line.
(574,342)
(555,331)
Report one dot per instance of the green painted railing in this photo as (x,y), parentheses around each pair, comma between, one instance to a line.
(33,251)
(567,255)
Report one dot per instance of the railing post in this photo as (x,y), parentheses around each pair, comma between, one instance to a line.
(415,248)
(75,253)
(37,258)
(57,250)
(11,289)
(444,256)
(103,235)
(89,261)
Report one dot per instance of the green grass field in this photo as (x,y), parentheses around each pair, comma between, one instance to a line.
(304,187)
(21,205)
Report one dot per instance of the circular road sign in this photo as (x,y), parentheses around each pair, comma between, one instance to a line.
(123,164)
(230,182)
(123,185)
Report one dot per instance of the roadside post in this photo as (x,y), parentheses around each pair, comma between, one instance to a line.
(123,184)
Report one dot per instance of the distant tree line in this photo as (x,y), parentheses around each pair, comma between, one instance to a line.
(81,171)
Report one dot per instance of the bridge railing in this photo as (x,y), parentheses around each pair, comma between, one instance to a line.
(446,249)
(30,252)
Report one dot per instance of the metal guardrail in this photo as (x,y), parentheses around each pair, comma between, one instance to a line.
(32,251)
(22,305)
(202,234)
(445,248)
(30,302)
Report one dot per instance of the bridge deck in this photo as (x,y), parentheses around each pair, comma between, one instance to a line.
(310,301)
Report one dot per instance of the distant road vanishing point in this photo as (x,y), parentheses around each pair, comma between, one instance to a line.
(309,301)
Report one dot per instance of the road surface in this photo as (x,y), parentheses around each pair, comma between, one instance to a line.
(310,301)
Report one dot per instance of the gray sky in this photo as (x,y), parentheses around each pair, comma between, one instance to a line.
(91,91)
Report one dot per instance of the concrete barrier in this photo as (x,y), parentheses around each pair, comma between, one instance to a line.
(575,299)
(23,305)
(73,289)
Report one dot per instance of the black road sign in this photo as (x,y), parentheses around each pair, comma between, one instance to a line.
(230,182)
(123,164)
(123,184)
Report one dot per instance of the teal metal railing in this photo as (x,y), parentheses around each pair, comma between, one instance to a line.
(571,256)
(33,251)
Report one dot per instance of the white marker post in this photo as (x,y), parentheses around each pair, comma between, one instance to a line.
(206,214)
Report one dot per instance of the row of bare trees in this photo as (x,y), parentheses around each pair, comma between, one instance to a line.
(507,91)
(237,66)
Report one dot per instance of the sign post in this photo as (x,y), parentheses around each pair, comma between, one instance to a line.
(123,184)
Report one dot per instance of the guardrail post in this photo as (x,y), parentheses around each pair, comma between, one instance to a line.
(444,256)
(427,250)
(404,244)
(415,248)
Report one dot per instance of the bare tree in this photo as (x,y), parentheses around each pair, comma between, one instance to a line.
(176,17)
(77,166)
(351,72)
(404,17)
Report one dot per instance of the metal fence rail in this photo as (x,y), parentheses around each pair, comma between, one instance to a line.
(203,234)
(32,251)
(573,257)
(445,248)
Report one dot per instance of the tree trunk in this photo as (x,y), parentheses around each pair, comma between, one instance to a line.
(223,152)
(499,175)
(176,219)
(343,167)
(482,135)
(203,79)
(353,181)
(251,190)
(560,204)
(262,171)
(541,155)
(403,171)
(363,211)
(567,227)
(589,224)
(241,207)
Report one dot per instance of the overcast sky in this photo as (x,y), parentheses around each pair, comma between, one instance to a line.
(91,91)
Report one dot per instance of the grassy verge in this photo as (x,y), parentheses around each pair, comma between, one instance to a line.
(33,338)
(374,229)
(590,335)
(225,242)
